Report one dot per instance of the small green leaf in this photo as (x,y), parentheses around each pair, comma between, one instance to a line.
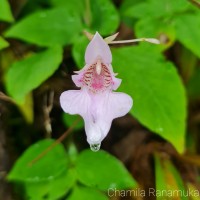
(102,171)
(57,26)
(3,43)
(189,35)
(26,75)
(53,189)
(46,168)
(155,87)
(5,11)
(105,17)
(85,193)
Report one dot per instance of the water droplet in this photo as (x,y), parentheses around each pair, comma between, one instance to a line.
(95,147)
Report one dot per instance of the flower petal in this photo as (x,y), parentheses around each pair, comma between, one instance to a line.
(98,47)
(116,83)
(105,108)
(75,102)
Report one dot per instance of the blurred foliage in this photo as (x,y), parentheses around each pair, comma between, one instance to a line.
(42,43)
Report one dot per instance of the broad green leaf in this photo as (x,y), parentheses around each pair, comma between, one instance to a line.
(78,50)
(5,11)
(104,17)
(157,9)
(155,87)
(102,171)
(85,193)
(189,35)
(3,43)
(26,75)
(52,27)
(52,189)
(47,168)
(168,179)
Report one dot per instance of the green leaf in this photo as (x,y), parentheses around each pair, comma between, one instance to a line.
(47,168)
(85,193)
(189,35)
(150,8)
(52,189)
(102,171)
(155,87)
(3,43)
(5,11)
(57,26)
(168,179)
(105,18)
(26,75)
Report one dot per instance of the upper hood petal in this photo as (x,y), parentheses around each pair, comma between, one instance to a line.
(98,47)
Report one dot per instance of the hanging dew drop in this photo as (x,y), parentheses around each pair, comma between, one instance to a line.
(95,147)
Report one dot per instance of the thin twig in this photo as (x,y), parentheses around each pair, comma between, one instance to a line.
(59,140)
(47,108)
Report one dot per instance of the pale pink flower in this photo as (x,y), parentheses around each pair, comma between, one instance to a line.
(95,101)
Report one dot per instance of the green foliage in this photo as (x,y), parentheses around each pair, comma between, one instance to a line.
(101,170)
(57,26)
(27,74)
(47,33)
(167,24)
(5,11)
(43,179)
(155,87)
(44,168)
